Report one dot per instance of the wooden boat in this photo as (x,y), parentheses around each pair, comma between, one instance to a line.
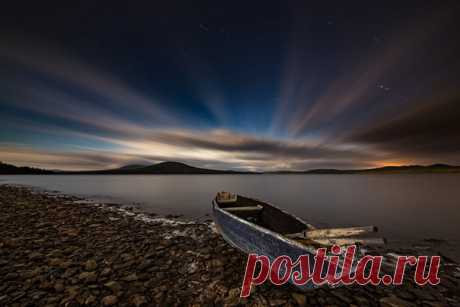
(253,226)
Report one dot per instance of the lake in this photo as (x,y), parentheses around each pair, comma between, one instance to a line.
(404,207)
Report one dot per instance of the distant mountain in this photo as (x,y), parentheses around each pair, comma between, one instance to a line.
(8,169)
(132,166)
(405,169)
(182,168)
(161,168)
(434,168)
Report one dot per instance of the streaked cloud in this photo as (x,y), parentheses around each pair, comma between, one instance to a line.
(218,149)
(51,62)
(311,103)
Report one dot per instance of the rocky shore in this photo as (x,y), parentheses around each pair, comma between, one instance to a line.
(57,250)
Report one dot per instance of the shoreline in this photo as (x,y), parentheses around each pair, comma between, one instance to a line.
(61,250)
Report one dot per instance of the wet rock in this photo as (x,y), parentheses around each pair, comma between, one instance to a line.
(90,265)
(300,298)
(192,268)
(126,257)
(138,300)
(35,256)
(59,287)
(65,264)
(71,303)
(130,277)
(73,291)
(3,299)
(260,301)
(88,277)
(90,300)
(36,295)
(106,272)
(233,297)
(17,296)
(146,264)
(109,300)
(55,262)
(114,286)
(277,302)
(215,263)
(70,272)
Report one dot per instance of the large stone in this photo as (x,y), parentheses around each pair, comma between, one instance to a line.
(300,298)
(109,300)
(114,286)
(73,291)
(126,257)
(90,300)
(59,287)
(90,265)
(106,272)
(277,302)
(146,264)
(130,277)
(138,300)
(35,256)
(88,277)
(55,262)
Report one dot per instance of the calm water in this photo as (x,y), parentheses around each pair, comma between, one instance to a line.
(404,207)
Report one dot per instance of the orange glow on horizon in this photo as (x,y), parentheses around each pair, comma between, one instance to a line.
(391,163)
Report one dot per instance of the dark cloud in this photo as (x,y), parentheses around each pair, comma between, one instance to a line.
(432,130)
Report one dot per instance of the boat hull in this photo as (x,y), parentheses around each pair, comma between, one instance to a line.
(251,238)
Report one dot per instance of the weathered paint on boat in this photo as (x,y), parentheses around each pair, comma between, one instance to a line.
(252,238)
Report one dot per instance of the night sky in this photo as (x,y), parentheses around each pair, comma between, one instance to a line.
(230,85)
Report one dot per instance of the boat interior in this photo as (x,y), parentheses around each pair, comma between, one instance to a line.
(274,219)
(264,215)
